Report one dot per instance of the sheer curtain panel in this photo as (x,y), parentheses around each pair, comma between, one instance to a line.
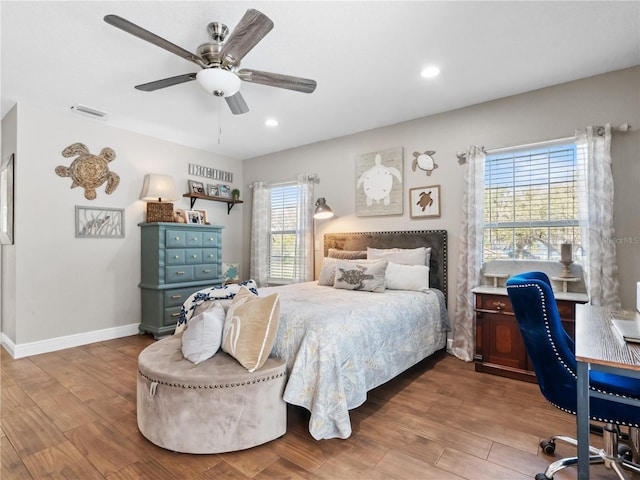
(470,255)
(260,228)
(595,213)
(304,228)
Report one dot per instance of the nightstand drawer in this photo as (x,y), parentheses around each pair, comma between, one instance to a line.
(493,303)
(182,273)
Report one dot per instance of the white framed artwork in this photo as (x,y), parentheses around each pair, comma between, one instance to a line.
(379,183)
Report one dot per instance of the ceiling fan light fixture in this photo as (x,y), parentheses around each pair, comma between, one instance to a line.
(219,82)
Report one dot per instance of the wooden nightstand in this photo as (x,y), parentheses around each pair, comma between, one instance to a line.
(499,346)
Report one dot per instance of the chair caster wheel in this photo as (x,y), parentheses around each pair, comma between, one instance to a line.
(542,476)
(548,447)
(625,452)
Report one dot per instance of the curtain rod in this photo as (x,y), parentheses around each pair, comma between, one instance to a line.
(462,156)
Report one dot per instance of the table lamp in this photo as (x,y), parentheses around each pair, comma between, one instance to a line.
(159,191)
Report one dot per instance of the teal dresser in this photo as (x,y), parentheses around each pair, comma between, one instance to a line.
(177,260)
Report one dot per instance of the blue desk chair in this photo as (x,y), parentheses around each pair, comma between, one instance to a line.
(552,353)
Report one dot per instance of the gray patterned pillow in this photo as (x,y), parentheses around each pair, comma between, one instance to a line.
(328,271)
(347,254)
(365,276)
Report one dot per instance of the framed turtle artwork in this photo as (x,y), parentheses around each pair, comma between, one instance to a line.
(425,201)
(379,183)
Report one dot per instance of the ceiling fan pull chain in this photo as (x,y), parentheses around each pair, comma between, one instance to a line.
(219,119)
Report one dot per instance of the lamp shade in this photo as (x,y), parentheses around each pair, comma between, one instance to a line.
(219,82)
(158,188)
(322,209)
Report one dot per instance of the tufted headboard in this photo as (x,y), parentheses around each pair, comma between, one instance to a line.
(436,239)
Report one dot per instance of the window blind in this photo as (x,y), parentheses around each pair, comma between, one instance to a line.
(530,203)
(283,255)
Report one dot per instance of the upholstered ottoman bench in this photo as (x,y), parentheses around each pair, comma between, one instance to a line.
(213,407)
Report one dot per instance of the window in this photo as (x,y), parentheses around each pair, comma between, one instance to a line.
(284,263)
(530,203)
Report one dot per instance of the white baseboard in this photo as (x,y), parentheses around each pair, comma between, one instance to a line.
(68,341)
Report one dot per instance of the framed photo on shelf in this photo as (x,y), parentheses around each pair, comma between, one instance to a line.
(212,190)
(203,216)
(224,191)
(425,201)
(193,216)
(196,187)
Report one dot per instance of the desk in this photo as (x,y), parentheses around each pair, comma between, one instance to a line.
(600,348)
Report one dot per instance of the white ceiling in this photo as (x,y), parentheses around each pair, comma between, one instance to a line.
(366,57)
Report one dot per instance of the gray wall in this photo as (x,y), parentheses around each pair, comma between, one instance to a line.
(554,112)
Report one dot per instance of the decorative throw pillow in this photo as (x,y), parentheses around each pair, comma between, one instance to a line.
(358,275)
(403,256)
(328,270)
(250,329)
(201,297)
(202,337)
(407,277)
(347,254)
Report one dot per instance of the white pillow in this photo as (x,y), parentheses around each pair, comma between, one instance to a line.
(202,337)
(403,256)
(407,277)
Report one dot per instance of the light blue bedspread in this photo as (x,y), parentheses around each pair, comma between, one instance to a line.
(339,344)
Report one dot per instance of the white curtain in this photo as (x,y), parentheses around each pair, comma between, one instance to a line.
(304,228)
(260,227)
(470,255)
(595,213)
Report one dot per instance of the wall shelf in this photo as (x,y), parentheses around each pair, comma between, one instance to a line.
(194,196)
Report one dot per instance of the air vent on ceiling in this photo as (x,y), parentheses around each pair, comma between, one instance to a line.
(90,112)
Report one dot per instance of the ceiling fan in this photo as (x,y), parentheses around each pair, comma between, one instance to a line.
(219,59)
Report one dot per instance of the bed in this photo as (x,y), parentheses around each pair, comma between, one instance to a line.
(339,344)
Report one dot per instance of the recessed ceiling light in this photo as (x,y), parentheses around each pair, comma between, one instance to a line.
(271,122)
(430,72)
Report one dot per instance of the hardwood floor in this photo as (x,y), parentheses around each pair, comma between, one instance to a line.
(72,414)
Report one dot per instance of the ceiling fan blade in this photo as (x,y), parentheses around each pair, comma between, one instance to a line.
(252,28)
(140,32)
(237,104)
(277,80)
(166,82)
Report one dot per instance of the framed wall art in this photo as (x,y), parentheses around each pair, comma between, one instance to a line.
(98,222)
(425,201)
(193,216)
(6,201)
(203,216)
(224,191)
(212,190)
(379,178)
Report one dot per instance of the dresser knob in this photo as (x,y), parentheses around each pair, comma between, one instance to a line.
(195,238)
(194,256)
(177,238)
(177,257)
(210,255)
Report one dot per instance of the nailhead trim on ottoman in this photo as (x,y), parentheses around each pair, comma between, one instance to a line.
(214,407)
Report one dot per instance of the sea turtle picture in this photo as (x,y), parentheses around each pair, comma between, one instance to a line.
(425,200)
(89,171)
(355,276)
(377,182)
(424,161)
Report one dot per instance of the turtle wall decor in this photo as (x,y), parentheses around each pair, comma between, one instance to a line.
(89,171)
(424,161)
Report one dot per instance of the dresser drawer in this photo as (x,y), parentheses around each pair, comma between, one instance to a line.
(182,273)
(177,297)
(193,256)
(171,316)
(211,239)
(174,256)
(206,272)
(194,239)
(175,238)
(493,303)
(210,255)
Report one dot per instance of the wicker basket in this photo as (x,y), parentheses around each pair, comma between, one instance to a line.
(159,212)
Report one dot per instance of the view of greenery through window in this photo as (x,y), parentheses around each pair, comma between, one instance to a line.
(283,265)
(530,204)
